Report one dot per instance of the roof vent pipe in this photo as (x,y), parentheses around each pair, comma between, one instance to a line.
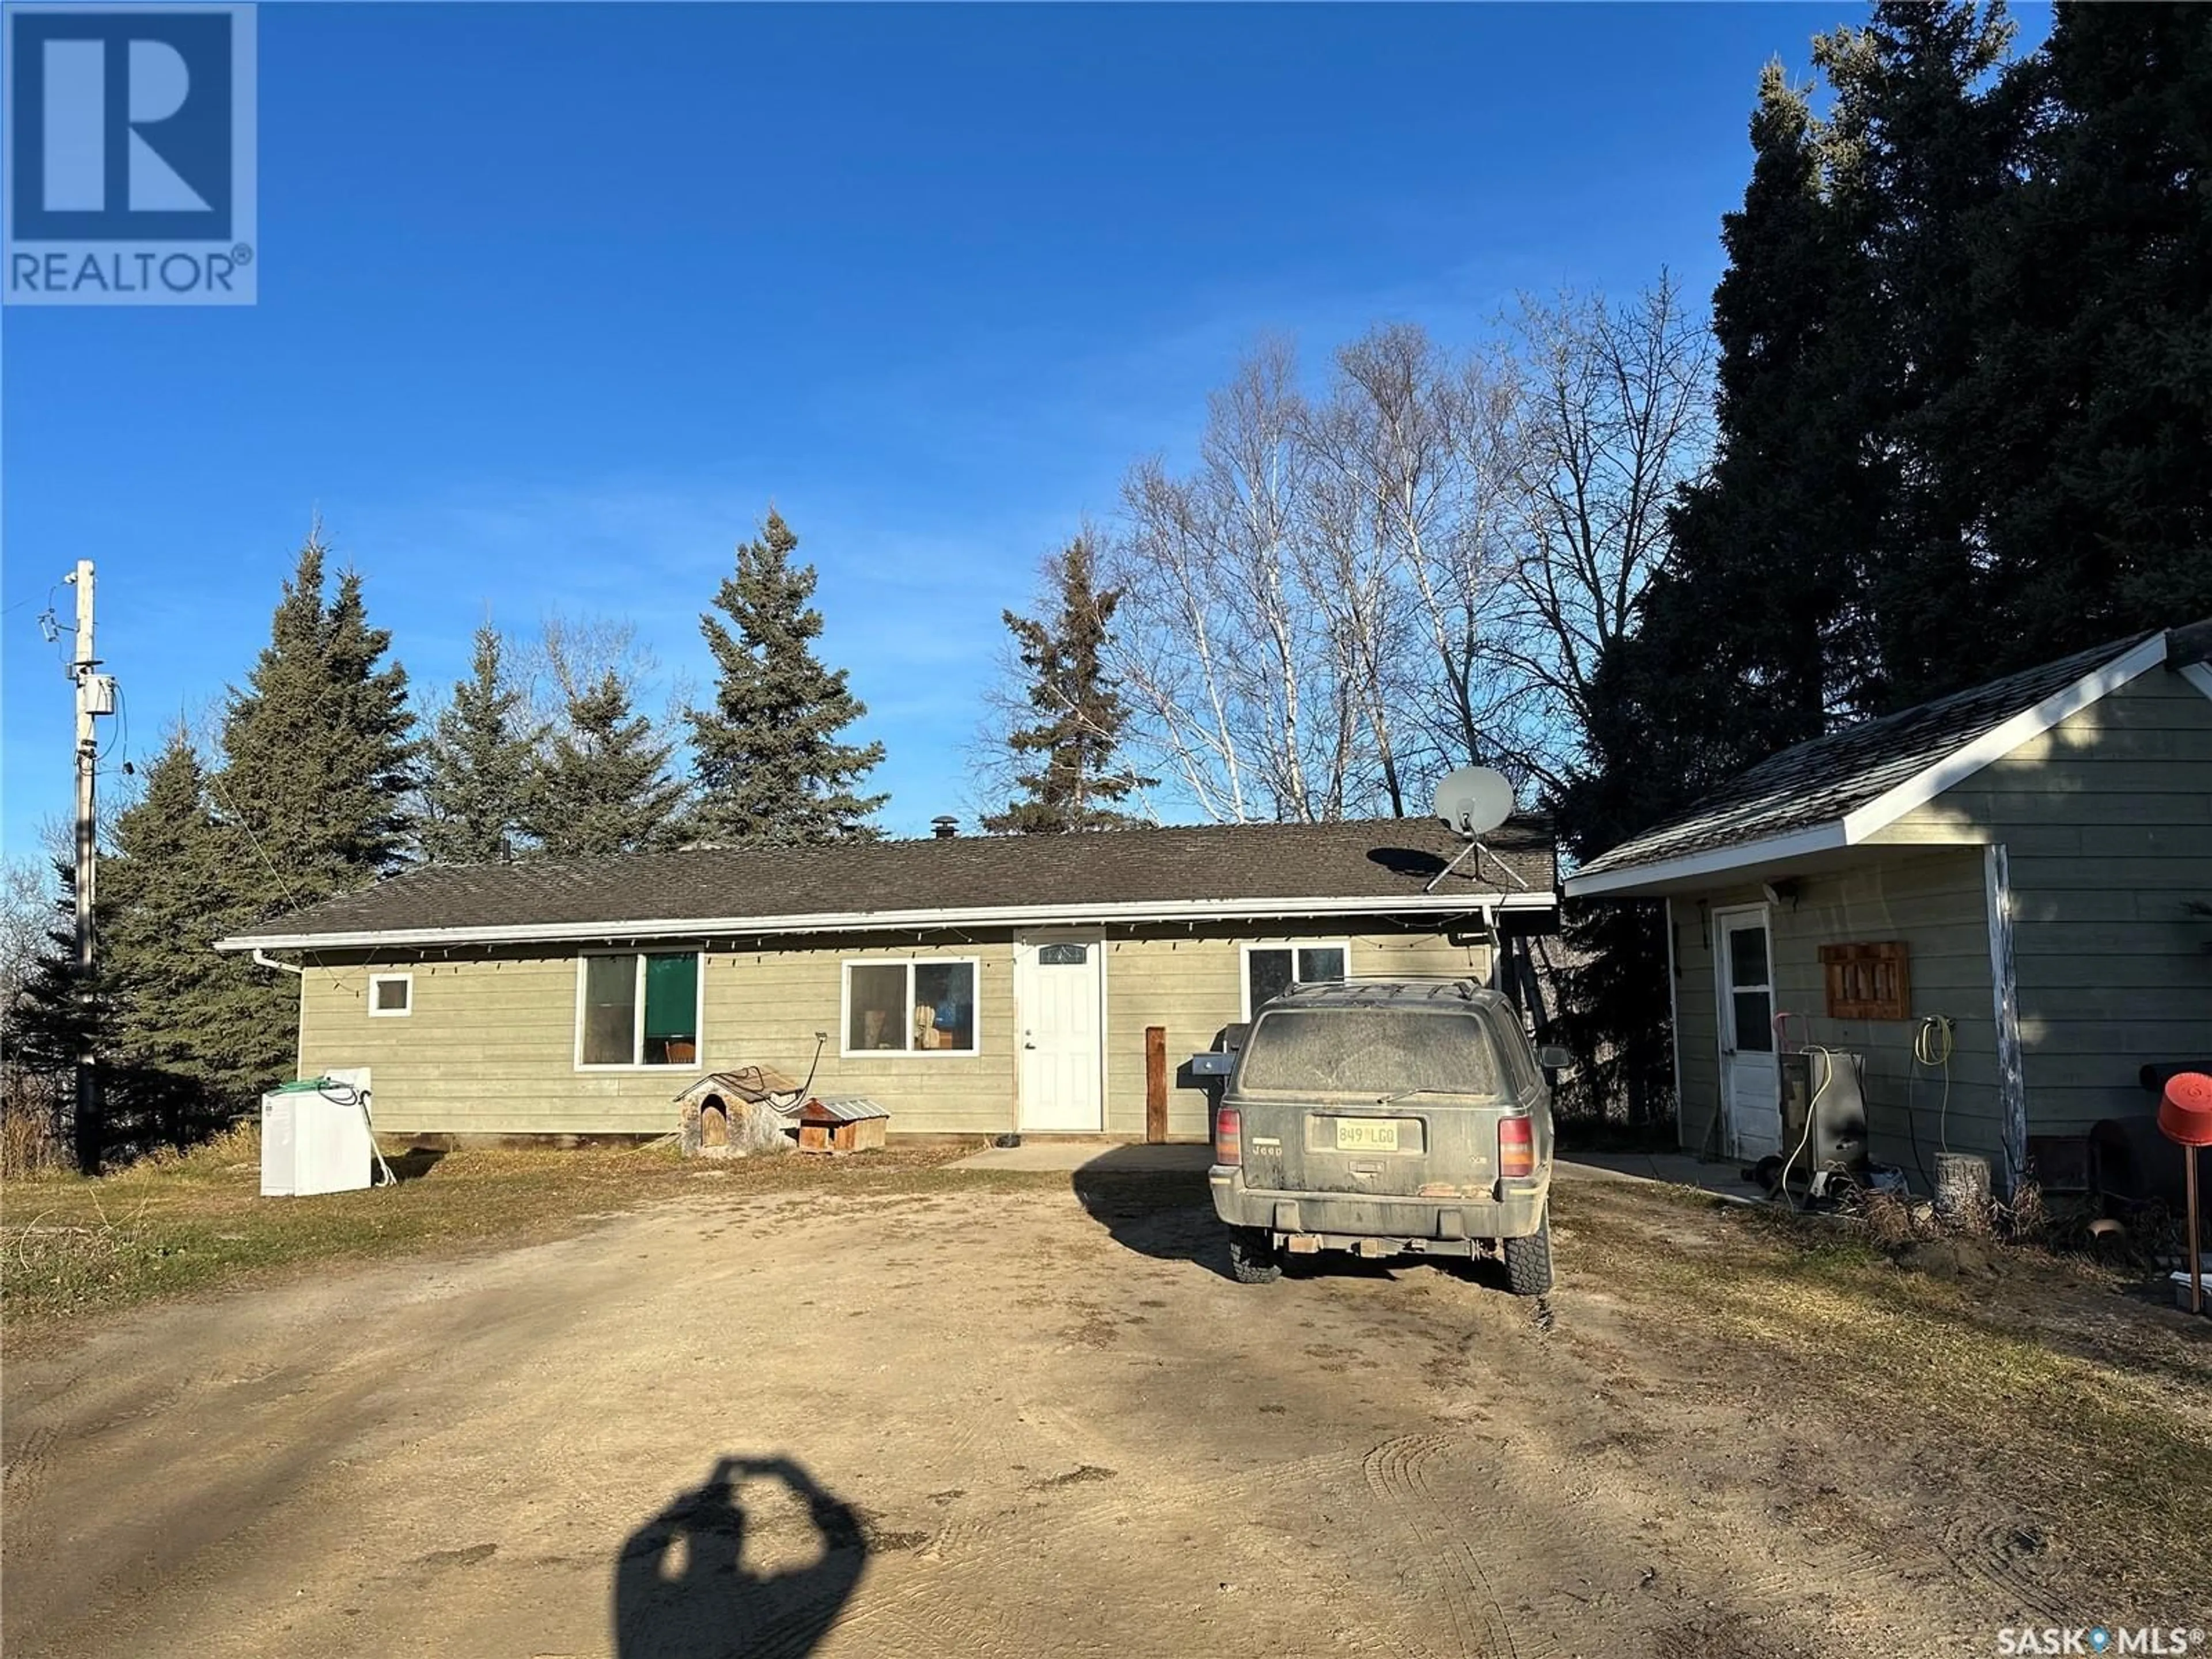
(944,827)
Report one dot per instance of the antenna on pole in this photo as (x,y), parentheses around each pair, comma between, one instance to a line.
(1471,802)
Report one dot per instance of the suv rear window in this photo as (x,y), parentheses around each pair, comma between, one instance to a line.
(1369,1051)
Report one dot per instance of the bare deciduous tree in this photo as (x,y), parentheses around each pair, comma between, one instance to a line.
(26,917)
(1422,570)
(35,1104)
(572,654)
(1618,415)
(1225,654)
(1420,453)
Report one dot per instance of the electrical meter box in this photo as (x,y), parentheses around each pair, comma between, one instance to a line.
(315,1136)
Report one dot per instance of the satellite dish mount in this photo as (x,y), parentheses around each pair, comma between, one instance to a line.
(1471,802)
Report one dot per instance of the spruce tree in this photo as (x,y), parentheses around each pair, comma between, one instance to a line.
(1749,631)
(603,786)
(766,757)
(169,881)
(1069,747)
(58,1014)
(318,755)
(2089,422)
(476,764)
(1917,152)
(318,766)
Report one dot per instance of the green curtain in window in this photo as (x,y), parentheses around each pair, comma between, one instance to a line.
(672,996)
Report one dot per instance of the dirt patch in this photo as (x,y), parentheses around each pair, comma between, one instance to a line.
(1082,1475)
(1952,1258)
(460,1558)
(713,1424)
(174,1226)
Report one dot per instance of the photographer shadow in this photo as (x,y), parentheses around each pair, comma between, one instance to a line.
(710,1605)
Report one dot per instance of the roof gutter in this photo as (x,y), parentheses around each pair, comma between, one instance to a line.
(1438,904)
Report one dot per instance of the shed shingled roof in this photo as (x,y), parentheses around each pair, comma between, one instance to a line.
(1822,781)
(1389,860)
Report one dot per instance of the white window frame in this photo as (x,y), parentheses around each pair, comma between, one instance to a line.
(376,980)
(1245,962)
(638,1063)
(845,1049)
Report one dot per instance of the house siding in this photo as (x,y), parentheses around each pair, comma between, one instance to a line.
(1931,901)
(2106,819)
(489,1046)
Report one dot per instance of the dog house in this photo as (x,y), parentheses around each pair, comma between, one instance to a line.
(732,1114)
(843,1124)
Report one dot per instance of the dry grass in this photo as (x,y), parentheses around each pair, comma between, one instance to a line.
(2072,1403)
(172,1224)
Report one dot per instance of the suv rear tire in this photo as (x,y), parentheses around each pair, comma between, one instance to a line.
(1528,1261)
(1252,1258)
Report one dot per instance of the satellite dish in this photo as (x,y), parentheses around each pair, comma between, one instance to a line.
(1474,800)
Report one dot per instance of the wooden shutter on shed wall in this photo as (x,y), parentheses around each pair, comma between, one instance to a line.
(1867,981)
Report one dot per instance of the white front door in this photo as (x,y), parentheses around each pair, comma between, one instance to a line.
(1060,1008)
(1750,1079)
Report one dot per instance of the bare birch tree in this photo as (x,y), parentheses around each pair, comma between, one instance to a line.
(1617,417)
(1421,451)
(1225,655)
(1419,571)
(1352,564)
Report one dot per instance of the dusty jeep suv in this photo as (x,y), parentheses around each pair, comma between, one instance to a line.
(1382,1116)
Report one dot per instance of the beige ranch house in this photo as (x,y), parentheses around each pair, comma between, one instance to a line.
(978,985)
(2019,860)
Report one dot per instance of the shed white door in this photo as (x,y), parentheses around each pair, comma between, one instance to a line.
(1059,997)
(1750,1079)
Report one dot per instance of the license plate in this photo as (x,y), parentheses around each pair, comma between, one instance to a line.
(1366,1135)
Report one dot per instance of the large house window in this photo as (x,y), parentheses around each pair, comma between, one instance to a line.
(639,1009)
(919,1005)
(1272,969)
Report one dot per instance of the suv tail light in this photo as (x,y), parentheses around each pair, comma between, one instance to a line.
(1516,1148)
(1228,1135)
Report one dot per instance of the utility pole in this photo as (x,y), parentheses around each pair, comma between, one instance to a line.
(95,695)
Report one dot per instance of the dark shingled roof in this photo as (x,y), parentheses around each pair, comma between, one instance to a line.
(1823,779)
(1388,860)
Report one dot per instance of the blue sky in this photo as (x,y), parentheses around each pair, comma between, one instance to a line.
(555,300)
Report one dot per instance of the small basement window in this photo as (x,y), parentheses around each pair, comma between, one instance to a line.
(638,1009)
(1272,969)
(391,996)
(921,1004)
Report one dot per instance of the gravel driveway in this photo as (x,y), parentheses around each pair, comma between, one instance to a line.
(989,1422)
